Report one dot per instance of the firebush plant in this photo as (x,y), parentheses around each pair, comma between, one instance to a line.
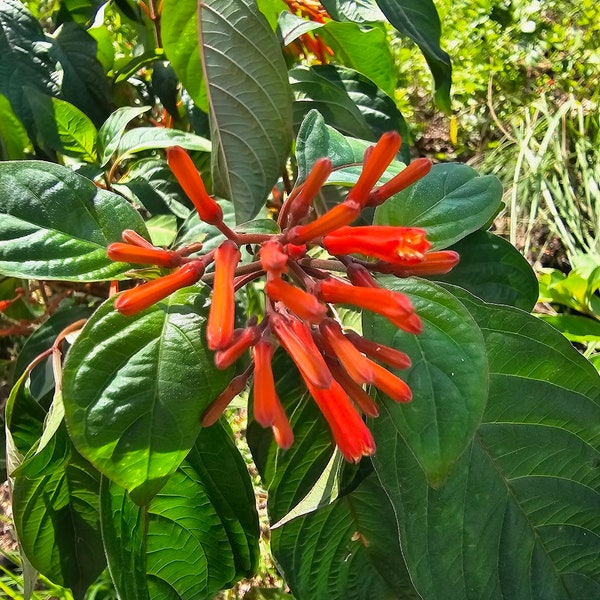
(227,214)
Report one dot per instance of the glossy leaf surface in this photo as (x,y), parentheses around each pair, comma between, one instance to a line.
(57,224)
(135,388)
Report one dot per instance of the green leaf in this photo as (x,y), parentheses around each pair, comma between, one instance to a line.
(450,202)
(57,224)
(348,550)
(250,102)
(179,30)
(575,328)
(84,83)
(520,512)
(62,127)
(13,136)
(349,101)
(112,130)
(58,524)
(418,19)
(364,49)
(357,11)
(202,528)
(135,388)
(80,11)
(494,270)
(162,229)
(151,138)
(25,59)
(448,378)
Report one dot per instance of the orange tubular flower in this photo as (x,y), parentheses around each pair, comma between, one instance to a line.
(267,406)
(391,385)
(399,245)
(236,385)
(364,402)
(297,340)
(394,306)
(130,236)
(189,179)
(137,299)
(301,303)
(351,435)
(412,173)
(242,340)
(434,263)
(219,329)
(338,216)
(143,256)
(376,162)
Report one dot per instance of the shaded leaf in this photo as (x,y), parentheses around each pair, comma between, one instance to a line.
(349,550)
(448,378)
(135,388)
(112,130)
(521,510)
(450,202)
(250,102)
(494,270)
(291,27)
(57,224)
(197,536)
(57,521)
(349,101)
(357,11)
(84,83)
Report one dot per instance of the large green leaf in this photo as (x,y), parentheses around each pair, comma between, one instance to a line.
(349,550)
(350,102)
(179,29)
(357,11)
(62,127)
(198,535)
(135,389)
(448,378)
(450,202)
(250,102)
(152,138)
(494,270)
(24,59)
(364,49)
(418,19)
(83,83)
(57,224)
(58,524)
(519,516)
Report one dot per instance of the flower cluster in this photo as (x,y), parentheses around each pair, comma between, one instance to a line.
(300,293)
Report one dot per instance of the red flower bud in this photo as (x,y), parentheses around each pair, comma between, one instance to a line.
(300,204)
(219,329)
(242,340)
(390,356)
(298,342)
(137,299)
(391,385)
(189,179)
(338,216)
(143,255)
(376,162)
(401,245)
(301,303)
(272,258)
(216,408)
(412,173)
(267,407)
(133,237)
